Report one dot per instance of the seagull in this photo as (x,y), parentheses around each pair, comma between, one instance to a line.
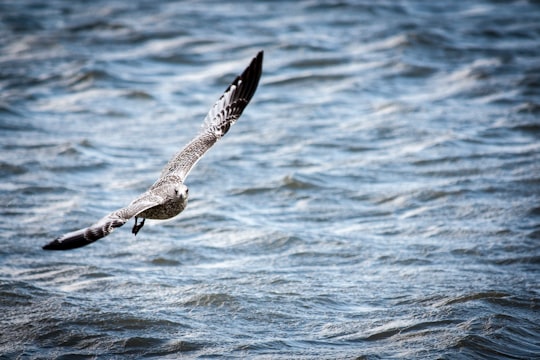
(168,196)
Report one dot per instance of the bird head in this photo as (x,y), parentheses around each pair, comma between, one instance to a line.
(179,192)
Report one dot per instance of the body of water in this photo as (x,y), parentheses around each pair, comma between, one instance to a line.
(378,199)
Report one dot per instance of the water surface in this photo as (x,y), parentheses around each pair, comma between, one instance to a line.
(379,198)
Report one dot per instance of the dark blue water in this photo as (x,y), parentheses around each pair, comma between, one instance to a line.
(379,198)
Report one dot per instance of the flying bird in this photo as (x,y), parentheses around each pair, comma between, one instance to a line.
(168,196)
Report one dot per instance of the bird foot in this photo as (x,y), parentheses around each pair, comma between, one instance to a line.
(136,226)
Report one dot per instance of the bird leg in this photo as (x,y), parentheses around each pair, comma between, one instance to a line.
(137,227)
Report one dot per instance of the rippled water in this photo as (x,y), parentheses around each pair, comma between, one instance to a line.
(379,198)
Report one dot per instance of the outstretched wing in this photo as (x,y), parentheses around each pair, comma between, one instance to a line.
(105,226)
(221,116)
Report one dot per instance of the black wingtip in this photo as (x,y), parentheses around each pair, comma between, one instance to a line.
(71,243)
(250,76)
(256,64)
(53,245)
(260,56)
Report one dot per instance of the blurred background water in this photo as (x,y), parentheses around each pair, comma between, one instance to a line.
(379,198)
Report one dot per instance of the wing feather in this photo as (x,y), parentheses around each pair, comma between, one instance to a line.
(219,119)
(104,226)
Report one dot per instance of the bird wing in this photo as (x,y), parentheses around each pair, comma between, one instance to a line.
(106,225)
(221,116)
